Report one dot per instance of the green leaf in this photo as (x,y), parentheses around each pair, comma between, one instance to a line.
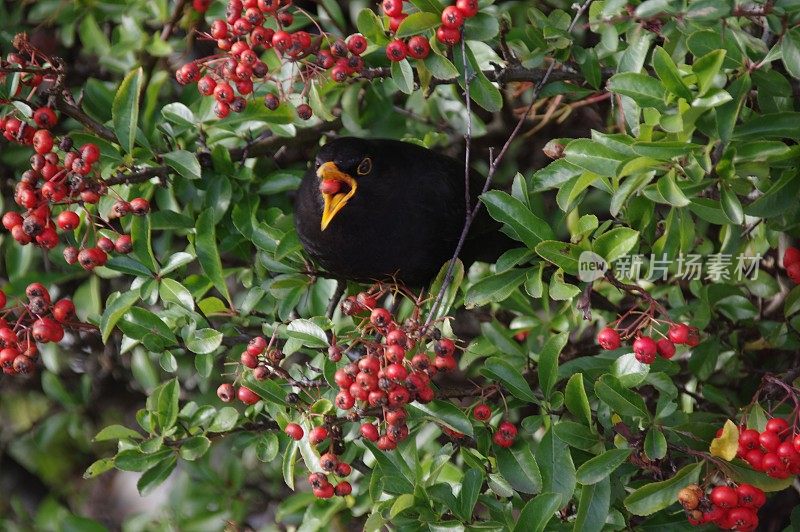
(790,52)
(194,447)
(507,209)
(663,151)
(445,413)
(481,90)
(731,206)
(403,76)
(115,310)
(600,467)
(742,472)
(440,67)
(98,468)
(172,291)
(558,470)
(417,23)
(641,88)
(308,332)
(777,125)
(519,468)
(594,157)
(138,323)
(503,371)
(670,191)
(562,254)
(168,404)
(629,371)
(267,447)
(142,242)
(470,489)
(452,289)
(619,398)
(494,288)
(401,503)
(668,73)
(706,68)
(538,512)
(656,496)
(655,444)
(116,432)
(179,114)
(137,461)
(129,265)
(156,475)
(224,420)
(289,463)
(207,252)
(614,244)
(576,400)
(371,26)
(125,109)
(548,362)
(204,341)
(593,507)
(183,162)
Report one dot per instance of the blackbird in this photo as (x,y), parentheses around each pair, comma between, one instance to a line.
(375,209)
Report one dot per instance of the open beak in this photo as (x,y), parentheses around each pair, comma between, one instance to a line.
(335,202)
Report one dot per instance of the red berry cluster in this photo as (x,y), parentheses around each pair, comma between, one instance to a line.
(791,262)
(645,348)
(727,507)
(25,324)
(417,47)
(61,175)
(252,27)
(774,451)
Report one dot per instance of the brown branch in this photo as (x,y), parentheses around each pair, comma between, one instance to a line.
(140,176)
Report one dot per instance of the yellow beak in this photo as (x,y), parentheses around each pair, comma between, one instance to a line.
(334,202)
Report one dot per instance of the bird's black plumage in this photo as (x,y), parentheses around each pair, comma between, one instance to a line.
(404,218)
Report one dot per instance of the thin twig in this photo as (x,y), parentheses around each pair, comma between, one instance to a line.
(494,162)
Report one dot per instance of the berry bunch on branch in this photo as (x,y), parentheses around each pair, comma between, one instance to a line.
(381,369)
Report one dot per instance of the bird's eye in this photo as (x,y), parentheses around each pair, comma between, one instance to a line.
(365,166)
(317,164)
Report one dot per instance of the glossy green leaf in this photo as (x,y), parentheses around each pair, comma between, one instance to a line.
(125,109)
(625,402)
(507,209)
(204,341)
(207,252)
(656,496)
(183,162)
(538,512)
(504,372)
(600,467)
(576,400)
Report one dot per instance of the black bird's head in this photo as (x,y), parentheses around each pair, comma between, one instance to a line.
(339,166)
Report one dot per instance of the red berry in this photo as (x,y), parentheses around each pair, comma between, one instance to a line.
(90,153)
(394,22)
(452,17)
(248,396)
(748,438)
(678,333)
(796,443)
(257,345)
(482,412)
(773,465)
(325,492)
(328,461)
(499,439)
(123,244)
(609,339)
(3,299)
(45,117)
(769,440)
(392,8)
(68,220)
(468,8)
(63,310)
(42,141)
(225,392)
(380,317)
(140,206)
(418,47)
(91,258)
(11,219)
(396,372)
(304,111)
(343,488)
(750,496)
(741,519)
(396,50)
(448,36)
(445,347)
(724,497)
(294,431)
(755,458)
(665,348)
(644,348)
(508,429)
(318,435)
(791,256)
(777,425)
(369,432)
(344,400)
(281,40)
(793,272)
(343,469)
(694,337)
(357,44)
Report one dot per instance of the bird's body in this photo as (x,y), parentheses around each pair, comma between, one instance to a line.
(403,219)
